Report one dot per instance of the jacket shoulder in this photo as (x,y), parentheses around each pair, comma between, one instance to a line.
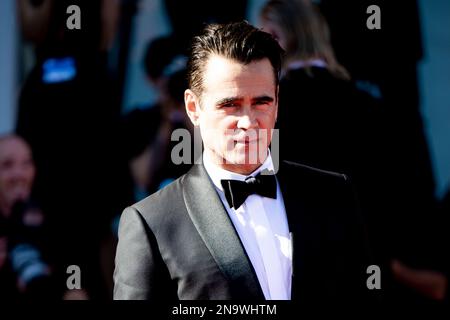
(161,203)
(315,172)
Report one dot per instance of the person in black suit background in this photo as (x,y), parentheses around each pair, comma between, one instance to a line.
(338,127)
(242,224)
(320,104)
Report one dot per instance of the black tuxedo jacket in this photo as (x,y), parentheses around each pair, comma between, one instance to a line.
(180,243)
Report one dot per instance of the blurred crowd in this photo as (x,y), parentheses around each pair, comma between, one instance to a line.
(348,102)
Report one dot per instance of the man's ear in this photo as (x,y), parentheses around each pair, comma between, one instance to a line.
(192,104)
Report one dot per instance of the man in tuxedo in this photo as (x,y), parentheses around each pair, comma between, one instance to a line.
(231,228)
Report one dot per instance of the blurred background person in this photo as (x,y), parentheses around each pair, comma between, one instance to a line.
(154,167)
(339,127)
(8,287)
(404,65)
(17,173)
(320,108)
(68,113)
(24,239)
(147,129)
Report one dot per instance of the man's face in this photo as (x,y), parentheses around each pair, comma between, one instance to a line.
(237,112)
(16,171)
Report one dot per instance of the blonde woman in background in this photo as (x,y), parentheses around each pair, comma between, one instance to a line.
(303,33)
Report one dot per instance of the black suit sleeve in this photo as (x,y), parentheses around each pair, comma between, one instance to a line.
(139,271)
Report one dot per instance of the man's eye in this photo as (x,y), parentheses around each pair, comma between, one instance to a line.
(262,103)
(229,105)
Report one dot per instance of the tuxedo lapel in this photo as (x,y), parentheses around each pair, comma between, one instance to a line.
(217,231)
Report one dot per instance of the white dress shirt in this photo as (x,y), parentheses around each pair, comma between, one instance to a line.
(261,224)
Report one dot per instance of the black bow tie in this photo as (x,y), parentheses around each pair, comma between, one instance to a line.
(236,192)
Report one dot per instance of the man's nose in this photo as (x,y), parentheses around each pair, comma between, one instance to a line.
(247,121)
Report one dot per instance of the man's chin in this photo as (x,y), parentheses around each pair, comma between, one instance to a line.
(245,159)
(241,168)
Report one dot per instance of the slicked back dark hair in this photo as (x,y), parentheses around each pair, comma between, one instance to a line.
(238,41)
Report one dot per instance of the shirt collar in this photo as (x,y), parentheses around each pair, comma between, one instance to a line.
(217,173)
